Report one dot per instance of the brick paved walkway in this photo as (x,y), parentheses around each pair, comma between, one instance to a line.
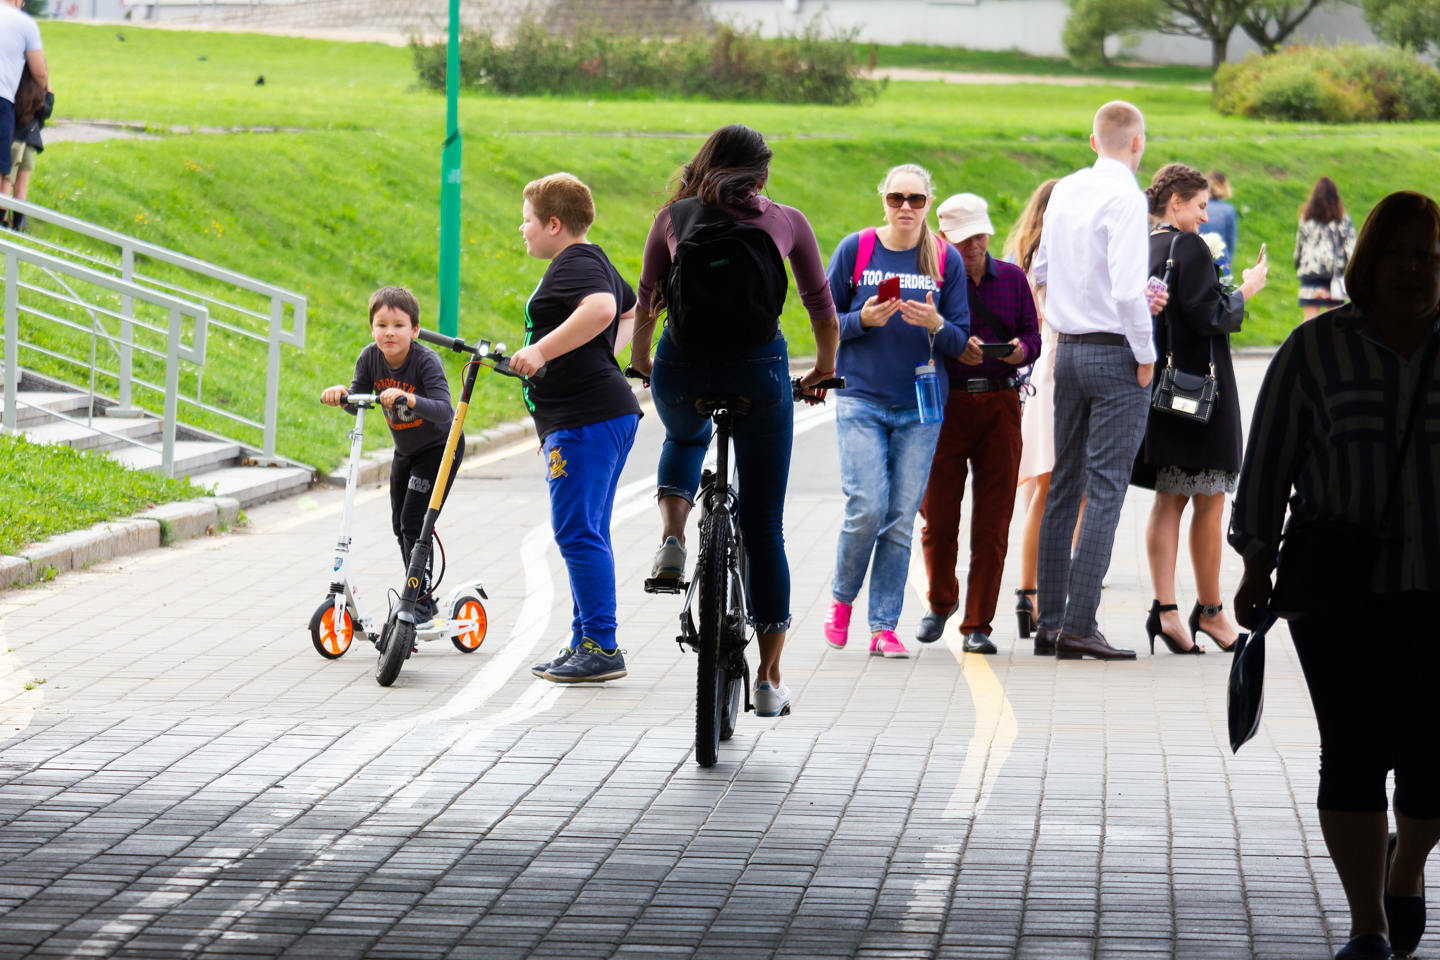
(191,779)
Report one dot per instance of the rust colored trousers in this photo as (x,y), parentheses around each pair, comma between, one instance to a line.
(981,434)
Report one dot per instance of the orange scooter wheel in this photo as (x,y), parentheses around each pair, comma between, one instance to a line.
(471,633)
(331,639)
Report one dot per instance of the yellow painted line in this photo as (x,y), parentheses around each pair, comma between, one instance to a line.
(995,726)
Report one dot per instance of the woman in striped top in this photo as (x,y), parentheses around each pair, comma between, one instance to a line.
(1327,426)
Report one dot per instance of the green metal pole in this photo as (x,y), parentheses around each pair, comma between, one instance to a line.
(449,312)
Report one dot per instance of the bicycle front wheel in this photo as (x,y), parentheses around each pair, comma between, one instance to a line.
(711,682)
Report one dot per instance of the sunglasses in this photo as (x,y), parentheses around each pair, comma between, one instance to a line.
(897,200)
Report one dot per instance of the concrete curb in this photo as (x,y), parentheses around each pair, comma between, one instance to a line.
(116,538)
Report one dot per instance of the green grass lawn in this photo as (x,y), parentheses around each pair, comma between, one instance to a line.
(45,490)
(351,202)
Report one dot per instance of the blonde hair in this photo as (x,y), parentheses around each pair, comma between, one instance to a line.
(1024,238)
(1116,124)
(1219,185)
(926,256)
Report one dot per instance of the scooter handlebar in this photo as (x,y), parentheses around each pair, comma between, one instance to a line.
(371,399)
(494,355)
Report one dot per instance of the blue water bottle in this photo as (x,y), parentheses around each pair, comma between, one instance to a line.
(927,393)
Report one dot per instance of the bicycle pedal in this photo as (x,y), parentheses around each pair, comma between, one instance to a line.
(665,585)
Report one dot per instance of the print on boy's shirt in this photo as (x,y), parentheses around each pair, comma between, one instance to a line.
(908,281)
(401,418)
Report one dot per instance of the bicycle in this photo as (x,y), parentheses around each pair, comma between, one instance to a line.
(722,674)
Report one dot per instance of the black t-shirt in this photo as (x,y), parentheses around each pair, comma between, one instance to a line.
(423,374)
(586,385)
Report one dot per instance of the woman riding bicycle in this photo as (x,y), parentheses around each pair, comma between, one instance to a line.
(726,177)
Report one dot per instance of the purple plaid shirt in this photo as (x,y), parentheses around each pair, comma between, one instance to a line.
(1005,291)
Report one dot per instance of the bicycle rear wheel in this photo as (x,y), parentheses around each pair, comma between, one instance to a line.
(711,679)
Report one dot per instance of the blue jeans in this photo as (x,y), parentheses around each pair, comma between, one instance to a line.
(885,455)
(762,455)
(582,468)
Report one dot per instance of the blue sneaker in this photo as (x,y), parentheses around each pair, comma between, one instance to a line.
(589,664)
(542,668)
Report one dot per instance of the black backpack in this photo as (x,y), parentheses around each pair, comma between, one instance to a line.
(726,285)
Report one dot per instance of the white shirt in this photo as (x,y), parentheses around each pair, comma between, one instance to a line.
(1094,256)
(18,35)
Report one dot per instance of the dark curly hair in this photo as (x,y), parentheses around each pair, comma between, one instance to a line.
(1174,180)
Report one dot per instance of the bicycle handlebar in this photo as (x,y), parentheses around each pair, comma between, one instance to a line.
(813,393)
(491,354)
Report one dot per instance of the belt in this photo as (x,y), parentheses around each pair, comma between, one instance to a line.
(1105,339)
(983,385)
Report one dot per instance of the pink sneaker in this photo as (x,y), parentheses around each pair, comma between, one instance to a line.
(886,644)
(837,624)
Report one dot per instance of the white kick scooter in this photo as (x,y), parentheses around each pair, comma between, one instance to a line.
(333,625)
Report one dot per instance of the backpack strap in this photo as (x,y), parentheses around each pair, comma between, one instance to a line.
(867,250)
(862,258)
(683,215)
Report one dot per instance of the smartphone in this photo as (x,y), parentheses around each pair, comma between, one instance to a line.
(1262,251)
(889,289)
(1154,287)
(991,351)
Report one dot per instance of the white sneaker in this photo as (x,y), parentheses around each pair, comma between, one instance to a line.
(772,701)
(669,561)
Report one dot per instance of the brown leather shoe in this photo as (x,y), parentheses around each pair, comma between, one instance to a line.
(1095,645)
(1045,642)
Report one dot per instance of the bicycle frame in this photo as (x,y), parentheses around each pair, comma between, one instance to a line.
(718,502)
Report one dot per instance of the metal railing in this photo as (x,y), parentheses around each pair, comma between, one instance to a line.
(46,308)
(259,317)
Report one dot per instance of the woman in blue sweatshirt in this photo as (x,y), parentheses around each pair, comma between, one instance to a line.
(885,448)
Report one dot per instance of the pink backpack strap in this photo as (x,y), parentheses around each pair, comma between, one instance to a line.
(942,245)
(862,257)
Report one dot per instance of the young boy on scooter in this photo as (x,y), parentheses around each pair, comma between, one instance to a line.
(584,412)
(415,395)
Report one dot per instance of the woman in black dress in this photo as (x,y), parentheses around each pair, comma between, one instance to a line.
(1185,461)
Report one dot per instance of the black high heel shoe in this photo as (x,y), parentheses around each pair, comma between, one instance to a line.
(1025,612)
(1210,612)
(1152,627)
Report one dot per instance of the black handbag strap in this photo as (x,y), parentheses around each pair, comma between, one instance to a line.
(1427,360)
(1169,333)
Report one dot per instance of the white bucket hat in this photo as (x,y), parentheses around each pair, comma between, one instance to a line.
(963,216)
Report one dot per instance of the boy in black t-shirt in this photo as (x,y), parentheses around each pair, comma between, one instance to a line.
(584,412)
(397,366)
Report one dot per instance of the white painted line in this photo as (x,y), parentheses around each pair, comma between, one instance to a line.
(995,725)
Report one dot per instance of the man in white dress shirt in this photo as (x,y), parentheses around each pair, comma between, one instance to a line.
(1094,260)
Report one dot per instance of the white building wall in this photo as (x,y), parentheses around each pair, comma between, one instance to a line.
(1030,26)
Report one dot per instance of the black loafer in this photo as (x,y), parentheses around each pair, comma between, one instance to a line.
(1367,946)
(978,643)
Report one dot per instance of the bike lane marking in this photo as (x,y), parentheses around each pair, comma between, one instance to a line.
(995,726)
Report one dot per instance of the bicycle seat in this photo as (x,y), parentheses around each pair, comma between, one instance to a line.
(736,404)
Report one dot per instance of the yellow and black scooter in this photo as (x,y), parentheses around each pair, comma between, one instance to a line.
(397,637)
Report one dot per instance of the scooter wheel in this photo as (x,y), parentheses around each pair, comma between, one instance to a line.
(331,639)
(471,634)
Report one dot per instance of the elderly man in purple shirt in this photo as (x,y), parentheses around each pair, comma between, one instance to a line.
(981,431)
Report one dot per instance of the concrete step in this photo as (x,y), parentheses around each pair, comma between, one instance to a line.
(251,485)
(193,457)
(26,414)
(81,437)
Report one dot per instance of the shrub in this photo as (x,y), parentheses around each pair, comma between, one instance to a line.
(1341,84)
(728,63)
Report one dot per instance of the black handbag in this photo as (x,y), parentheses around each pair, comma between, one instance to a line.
(1327,563)
(1177,393)
(1245,693)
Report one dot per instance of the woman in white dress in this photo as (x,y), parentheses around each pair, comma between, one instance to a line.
(1037,424)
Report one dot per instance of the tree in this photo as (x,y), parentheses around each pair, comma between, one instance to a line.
(1269,23)
(1212,20)
(1092,22)
(1413,24)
